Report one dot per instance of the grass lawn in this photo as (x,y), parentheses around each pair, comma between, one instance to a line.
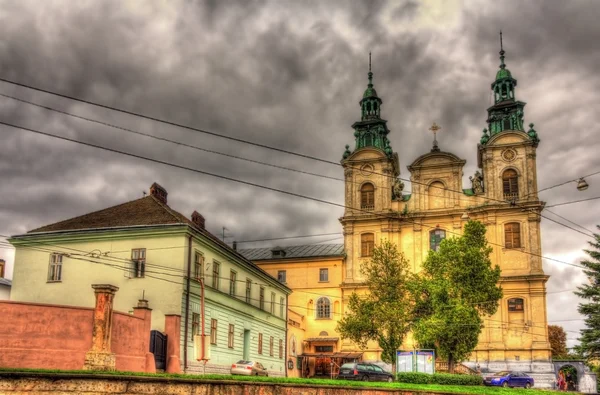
(454,389)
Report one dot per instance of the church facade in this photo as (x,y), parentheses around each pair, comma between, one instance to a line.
(503,196)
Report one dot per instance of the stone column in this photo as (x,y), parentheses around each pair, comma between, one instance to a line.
(173,330)
(99,357)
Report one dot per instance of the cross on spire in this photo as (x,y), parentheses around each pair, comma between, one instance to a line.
(502,65)
(369,61)
(434,128)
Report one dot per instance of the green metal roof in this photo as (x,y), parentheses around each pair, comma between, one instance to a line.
(503,73)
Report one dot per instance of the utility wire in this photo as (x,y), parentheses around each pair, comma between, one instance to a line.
(251,184)
(572,202)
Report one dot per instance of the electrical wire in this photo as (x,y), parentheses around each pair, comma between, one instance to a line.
(376,215)
(572,202)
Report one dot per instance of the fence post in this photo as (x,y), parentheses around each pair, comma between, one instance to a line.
(100,356)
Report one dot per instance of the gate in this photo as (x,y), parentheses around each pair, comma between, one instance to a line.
(158,347)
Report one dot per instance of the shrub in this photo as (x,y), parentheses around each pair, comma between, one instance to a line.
(438,378)
(414,378)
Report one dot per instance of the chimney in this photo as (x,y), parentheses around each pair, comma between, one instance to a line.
(198,219)
(234,245)
(159,193)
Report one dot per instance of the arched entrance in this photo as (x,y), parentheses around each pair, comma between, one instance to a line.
(575,374)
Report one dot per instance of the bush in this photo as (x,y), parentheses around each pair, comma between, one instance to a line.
(414,378)
(438,378)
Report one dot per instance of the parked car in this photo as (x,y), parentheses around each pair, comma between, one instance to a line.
(509,379)
(364,371)
(249,368)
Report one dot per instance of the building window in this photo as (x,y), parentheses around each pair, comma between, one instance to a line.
(515,304)
(198,264)
(367,243)
(232,282)
(512,235)
(510,184)
(280,348)
(281,276)
(261,304)
(2,266)
(367,197)
(323,348)
(271,346)
(281,306)
(273,303)
(323,308)
(213,331)
(138,257)
(216,273)
(195,324)
(248,290)
(260,343)
(54,268)
(435,239)
(323,275)
(230,336)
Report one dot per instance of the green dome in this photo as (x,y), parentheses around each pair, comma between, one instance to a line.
(370,92)
(503,73)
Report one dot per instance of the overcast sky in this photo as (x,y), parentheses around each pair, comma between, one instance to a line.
(290,75)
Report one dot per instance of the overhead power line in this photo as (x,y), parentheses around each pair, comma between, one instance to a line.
(264,163)
(253,184)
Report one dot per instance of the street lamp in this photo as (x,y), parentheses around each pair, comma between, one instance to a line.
(582,185)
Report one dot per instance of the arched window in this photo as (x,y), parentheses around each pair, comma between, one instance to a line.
(323,308)
(506,124)
(367,242)
(368,139)
(515,304)
(510,184)
(367,197)
(512,235)
(435,238)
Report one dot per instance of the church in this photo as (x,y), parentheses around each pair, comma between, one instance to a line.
(502,195)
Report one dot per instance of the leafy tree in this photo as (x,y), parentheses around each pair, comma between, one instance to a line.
(589,345)
(457,285)
(558,340)
(384,313)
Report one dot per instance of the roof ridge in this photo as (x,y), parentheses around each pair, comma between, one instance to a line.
(168,209)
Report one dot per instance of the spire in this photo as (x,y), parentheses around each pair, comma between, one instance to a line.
(370,73)
(370,103)
(502,65)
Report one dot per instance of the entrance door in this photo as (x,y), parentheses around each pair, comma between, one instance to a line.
(158,347)
(246,344)
(323,367)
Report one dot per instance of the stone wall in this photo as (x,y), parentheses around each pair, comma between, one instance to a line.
(44,383)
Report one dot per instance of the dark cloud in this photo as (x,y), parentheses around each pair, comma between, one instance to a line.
(288,74)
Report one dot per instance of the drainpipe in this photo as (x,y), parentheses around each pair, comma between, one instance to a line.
(202,317)
(187,305)
(286,337)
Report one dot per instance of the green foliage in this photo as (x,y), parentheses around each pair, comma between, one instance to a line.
(438,378)
(384,314)
(457,285)
(589,346)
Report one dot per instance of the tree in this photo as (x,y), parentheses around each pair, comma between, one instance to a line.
(589,345)
(558,340)
(457,285)
(384,313)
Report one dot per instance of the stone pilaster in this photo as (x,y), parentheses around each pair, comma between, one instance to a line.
(100,356)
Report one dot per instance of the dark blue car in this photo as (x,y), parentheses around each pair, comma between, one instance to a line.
(509,379)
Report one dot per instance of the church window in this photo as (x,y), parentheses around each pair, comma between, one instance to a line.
(367,197)
(368,139)
(515,304)
(323,308)
(435,238)
(367,243)
(512,235)
(506,125)
(510,184)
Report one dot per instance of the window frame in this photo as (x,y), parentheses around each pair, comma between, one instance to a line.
(260,344)
(138,259)
(248,290)
(2,268)
(195,324)
(272,303)
(280,348)
(231,336)
(434,245)
(281,276)
(510,183)
(198,265)
(367,246)
(271,346)
(213,331)
(281,306)
(232,282)
(323,308)
(514,303)
(216,275)
(510,235)
(324,275)
(261,298)
(55,268)
(367,196)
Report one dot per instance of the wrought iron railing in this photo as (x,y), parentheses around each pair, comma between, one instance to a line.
(368,207)
(512,196)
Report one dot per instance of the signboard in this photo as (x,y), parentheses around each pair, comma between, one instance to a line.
(415,361)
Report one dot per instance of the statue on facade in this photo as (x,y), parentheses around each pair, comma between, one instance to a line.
(477,182)
(397,189)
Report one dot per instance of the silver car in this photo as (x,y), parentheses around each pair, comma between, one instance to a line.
(249,368)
